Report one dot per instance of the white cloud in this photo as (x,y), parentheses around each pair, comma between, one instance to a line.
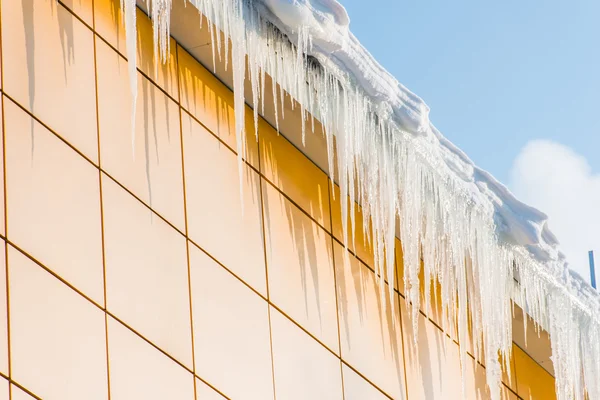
(558,181)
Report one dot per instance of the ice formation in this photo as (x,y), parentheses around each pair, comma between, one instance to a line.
(485,248)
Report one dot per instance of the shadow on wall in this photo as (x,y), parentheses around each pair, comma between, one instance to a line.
(117,20)
(304,234)
(147,63)
(370,320)
(290,178)
(420,358)
(66,34)
(149,111)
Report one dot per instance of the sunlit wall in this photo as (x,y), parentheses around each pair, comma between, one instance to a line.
(136,268)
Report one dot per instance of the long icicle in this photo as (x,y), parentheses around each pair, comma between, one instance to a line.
(129,11)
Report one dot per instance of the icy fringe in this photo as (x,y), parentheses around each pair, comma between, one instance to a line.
(395,176)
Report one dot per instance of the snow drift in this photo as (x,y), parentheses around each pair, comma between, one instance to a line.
(485,248)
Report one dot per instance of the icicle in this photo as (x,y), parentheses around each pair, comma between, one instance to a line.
(161,24)
(238,61)
(129,11)
(301,49)
(396,175)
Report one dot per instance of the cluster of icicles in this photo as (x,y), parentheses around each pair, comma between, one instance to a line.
(397,180)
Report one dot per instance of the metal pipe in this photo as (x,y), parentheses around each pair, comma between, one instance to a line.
(592,269)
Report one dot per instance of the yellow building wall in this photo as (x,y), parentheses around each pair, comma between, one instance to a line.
(128,269)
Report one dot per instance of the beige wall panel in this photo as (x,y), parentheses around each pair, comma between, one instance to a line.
(58,346)
(533,382)
(357,388)
(370,333)
(509,381)
(53,202)
(0,62)
(2,222)
(476,383)
(49,69)
(82,8)
(295,175)
(399,266)
(139,371)
(434,372)
(300,267)
(18,394)
(149,62)
(4,389)
(146,273)
(217,220)
(151,167)
(433,308)
(110,24)
(534,341)
(204,392)
(231,332)
(358,243)
(3,312)
(211,102)
(304,369)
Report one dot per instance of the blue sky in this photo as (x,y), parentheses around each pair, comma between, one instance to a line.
(495,74)
(498,75)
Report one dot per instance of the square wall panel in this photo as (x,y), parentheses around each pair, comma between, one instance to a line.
(0,63)
(358,388)
(4,389)
(82,8)
(304,369)
(508,380)
(18,394)
(300,267)
(3,312)
(53,203)
(534,341)
(110,23)
(231,332)
(295,175)
(148,164)
(358,242)
(49,69)
(58,338)
(432,306)
(164,74)
(223,219)
(533,381)
(146,273)
(205,97)
(399,259)
(476,383)
(204,392)
(140,371)
(2,221)
(370,331)
(433,368)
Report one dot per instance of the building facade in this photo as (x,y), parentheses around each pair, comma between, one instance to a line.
(146,267)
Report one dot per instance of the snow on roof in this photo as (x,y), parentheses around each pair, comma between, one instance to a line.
(472,234)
